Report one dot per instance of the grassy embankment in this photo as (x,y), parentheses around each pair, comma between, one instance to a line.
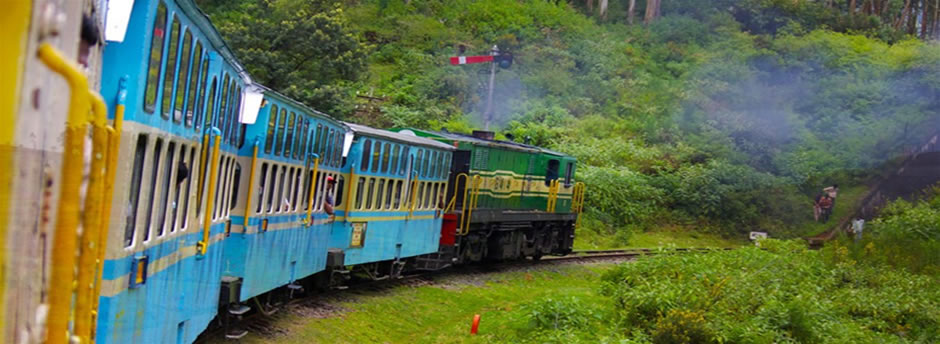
(441,313)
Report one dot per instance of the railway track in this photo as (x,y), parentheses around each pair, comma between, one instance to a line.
(261,319)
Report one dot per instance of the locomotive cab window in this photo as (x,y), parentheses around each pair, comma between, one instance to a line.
(569,171)
(551,172)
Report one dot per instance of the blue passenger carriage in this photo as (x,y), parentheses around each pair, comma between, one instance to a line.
(179,90)
(395,194)
(278,234)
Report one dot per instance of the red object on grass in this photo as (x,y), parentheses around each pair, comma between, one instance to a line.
(459,60)
(476,324)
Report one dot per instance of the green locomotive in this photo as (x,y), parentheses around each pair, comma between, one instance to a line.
(506,200)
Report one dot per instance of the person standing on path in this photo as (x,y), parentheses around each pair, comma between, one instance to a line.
(832,191)
(857,226)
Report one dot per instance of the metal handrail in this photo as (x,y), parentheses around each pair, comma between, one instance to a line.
(251,184)
(91,235)
(313,186)
(114,147)
(577,202)
(470,199)
(552,196)
(68,212)
(203,245)
(453,201)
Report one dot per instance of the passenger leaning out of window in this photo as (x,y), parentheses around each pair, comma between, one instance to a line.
(328,198)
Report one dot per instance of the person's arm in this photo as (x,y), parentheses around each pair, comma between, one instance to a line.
(328,208)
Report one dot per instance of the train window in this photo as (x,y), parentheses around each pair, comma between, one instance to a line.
(284,190)
(200,109)
(165,187)
(331,148)
(366,154)
(394,159)
(175,204)
(569,172)
(388,194)
(323,145)
(156,56)
(338,149)
(446,173)
(379,193)
(157,154)
(298,139)
(305,192)
(236,179)
(360,189)
(241,135)
(428,195)
(210,105)
(193,83)
(180,100)
(340,184)
(170,72)
(303,140)
(316,141)
(403,167)
(551,173)
(376,153)
(272,122)
(296,201)
(386,155)
(189,184)
(397,204)
(133,198)
(435,164)
(419,197)
(219,121)
(279,139)
(236,109)
(425,168)
(417,166)
(435,194)
(271,180)
(440,165)
(289,141)
(264,174)
(220,176)
(318,192)
(280,189)
(370,194)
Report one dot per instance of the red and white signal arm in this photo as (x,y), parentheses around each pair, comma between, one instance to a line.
(460,60)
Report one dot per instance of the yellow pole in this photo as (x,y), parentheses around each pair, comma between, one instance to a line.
(349,190)
(202,166)
(313,186)
(91,232)
(251,185)
(15,28)
(67,216)
(413,196)
(207,213)
(114,142)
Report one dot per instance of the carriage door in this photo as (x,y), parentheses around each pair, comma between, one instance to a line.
(460,164)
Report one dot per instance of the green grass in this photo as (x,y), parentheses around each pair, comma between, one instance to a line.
(441,313)
(587,239)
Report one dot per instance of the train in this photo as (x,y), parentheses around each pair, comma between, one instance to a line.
(169,193)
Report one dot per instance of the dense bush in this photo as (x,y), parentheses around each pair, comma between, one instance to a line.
(906,235)
(783,293)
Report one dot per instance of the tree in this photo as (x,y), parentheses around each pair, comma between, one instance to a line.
(304,49)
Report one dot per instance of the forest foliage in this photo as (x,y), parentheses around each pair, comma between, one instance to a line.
(722,114)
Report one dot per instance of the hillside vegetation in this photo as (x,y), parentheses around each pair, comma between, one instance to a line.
(722,116)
